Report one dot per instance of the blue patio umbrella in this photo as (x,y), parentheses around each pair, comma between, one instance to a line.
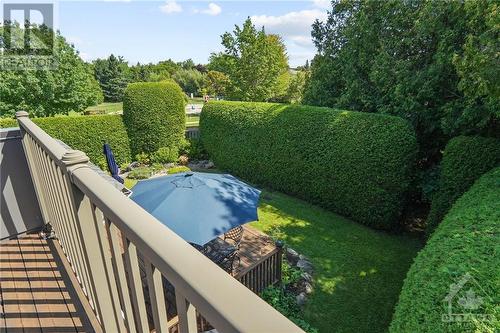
(198,206)
(112,166)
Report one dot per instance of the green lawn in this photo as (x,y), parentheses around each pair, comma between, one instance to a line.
(196,100)
(106,107)
(359,271)
(192,121)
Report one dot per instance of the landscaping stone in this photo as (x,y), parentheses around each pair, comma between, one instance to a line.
(305,265)
(306,276)
(308,288)
(132,166)
(202,164)
(301,299)
(292,256)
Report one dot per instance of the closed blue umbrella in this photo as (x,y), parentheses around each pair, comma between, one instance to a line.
(112,166)
(198,206)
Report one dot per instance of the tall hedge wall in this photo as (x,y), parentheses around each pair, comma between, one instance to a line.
(356,164)
(154,115)
(466,242)
(87,134)
(465,159)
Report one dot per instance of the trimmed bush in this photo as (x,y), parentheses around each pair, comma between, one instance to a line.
(465,159)
(8,122)
(356,164)
(87,134)
(154,115)
(466,242)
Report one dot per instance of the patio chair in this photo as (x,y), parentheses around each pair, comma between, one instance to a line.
(234,236)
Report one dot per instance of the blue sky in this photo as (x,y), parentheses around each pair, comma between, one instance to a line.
(149,31)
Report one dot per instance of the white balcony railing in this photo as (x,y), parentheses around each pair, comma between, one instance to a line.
(102,233)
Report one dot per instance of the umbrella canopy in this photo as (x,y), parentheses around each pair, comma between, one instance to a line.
(198,206)
(112,166)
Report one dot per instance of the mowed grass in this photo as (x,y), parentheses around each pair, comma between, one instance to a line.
(192,121)
(106,108)
(359,272)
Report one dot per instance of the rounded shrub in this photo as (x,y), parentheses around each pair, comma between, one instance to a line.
(465,159)
(356,164)
(460,265)
(154,115)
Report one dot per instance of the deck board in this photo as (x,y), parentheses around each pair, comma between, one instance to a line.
(254,246)
(34,294)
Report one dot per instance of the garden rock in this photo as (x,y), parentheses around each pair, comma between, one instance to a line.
(203,164)
(301,299)
(132,166)
(292,256)
(308,288)
(306,276)
(305,265)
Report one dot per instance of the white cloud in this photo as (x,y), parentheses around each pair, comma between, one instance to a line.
(323,4)
(171,7)
(304,41)
(213,9)
(290,24)
(294,27)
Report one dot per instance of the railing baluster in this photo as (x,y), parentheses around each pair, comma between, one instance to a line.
(89,223)
(119,268)
(134,277)
(187,314)
(156,295)
(70,213)
(110,276)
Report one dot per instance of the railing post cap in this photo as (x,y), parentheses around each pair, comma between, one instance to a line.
(21,114)
(72,157)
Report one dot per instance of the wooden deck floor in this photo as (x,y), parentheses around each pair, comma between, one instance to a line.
(36,294)
(254,246)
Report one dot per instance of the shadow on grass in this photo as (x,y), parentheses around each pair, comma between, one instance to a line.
(359,271)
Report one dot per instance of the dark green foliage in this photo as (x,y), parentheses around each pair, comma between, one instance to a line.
(434,63)
(465,159)
(113,76)
(194,149)
(466,242)
(154,115)
(283,300)
(356,164)
(87,134)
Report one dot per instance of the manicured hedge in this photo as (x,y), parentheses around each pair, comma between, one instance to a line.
(465,159)
(154,115)
(87,133)
(7,122)
(466,242)
(356,164)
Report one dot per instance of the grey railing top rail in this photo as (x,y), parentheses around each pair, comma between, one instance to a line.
(222,300)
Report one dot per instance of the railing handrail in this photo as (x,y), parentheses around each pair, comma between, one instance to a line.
(223,301)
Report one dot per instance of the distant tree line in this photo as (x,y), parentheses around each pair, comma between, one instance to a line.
(252,67)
